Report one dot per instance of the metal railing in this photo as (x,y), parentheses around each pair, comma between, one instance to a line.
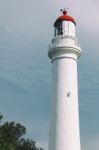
(66,38)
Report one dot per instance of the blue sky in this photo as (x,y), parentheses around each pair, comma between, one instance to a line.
(26,28)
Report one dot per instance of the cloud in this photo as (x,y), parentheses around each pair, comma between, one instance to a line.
(35,18)
(42,144)
(90,144)
(26,27)
(85,13)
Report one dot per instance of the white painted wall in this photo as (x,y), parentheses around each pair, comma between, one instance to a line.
(64,130)
(64,52)
(69,28)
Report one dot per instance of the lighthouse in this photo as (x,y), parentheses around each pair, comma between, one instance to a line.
(64,52)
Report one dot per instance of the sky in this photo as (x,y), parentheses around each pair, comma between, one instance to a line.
(26,29)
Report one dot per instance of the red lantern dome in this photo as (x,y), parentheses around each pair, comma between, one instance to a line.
(64,17)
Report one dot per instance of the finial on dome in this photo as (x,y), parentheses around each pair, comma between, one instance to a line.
(64,11)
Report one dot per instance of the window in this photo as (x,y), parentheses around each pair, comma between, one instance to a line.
(58,29)
(68,94)
(60,32)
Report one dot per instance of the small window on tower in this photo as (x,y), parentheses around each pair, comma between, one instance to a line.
(60,31)
(54,32)
(69,94)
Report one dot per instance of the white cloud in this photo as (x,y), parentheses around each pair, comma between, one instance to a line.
(42,144)
(85,12)
(90,144)
(25,19)
(29,16)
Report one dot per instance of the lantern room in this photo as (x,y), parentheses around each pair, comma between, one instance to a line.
(64,25)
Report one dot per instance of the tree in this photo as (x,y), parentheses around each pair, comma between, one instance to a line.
(11,137)
(12,131)
(10,134)
(1,117)
(26,145)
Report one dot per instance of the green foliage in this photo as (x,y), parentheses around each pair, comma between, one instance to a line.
(11,137)
(11,132)
(6,146)
(26,145)
(1,117)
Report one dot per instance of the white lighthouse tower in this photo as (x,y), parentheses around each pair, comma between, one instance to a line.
(64,52)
